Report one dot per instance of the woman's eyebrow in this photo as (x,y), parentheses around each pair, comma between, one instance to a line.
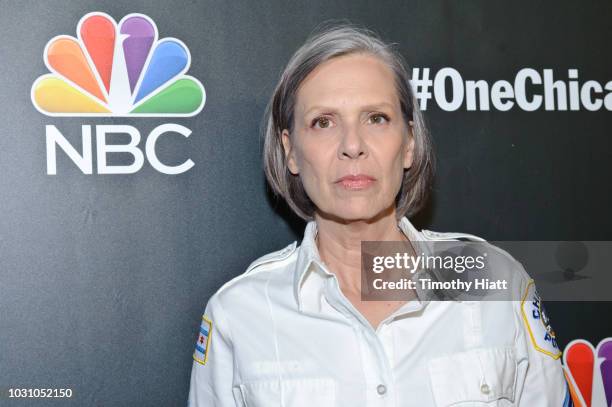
(372,106)
(319,108)
(378,106)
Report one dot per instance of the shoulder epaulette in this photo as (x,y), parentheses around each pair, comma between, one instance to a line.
(450,236)
(273,256)
(265,259)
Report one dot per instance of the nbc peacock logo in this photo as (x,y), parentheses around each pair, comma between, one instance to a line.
(588,371)
(119,70)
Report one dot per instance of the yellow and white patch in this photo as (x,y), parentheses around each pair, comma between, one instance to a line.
(536,321)
(200,354)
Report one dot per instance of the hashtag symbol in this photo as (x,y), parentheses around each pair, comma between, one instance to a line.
(421,85)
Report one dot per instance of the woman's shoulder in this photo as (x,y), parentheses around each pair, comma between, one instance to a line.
(432,235)
(501,263)
(271,257)
(522,302)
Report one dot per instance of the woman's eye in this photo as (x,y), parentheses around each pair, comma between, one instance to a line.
(379,118)
(321,122)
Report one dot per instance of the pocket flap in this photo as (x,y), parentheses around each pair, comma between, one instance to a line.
(477,375)
(298,392)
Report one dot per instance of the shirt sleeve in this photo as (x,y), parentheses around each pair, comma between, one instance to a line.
(212,372)
(544,382)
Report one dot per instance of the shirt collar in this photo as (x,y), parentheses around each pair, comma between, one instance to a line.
(309,261)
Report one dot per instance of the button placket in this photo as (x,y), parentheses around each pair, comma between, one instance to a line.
(374,369)
(385,338)
(377,367)
(384,361)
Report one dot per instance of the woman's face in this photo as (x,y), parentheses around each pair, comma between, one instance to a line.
(350,142)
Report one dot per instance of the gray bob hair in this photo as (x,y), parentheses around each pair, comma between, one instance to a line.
(327,43)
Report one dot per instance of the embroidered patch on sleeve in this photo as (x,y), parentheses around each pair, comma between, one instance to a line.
(537,323)
(200,354)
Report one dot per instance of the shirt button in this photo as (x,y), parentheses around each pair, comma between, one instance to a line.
(381,389)
(484,388)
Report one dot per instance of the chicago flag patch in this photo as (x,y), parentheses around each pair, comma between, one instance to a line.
(200,354)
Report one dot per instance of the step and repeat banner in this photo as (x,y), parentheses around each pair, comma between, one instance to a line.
(131,182)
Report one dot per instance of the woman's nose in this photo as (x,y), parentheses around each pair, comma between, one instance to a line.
(352,144)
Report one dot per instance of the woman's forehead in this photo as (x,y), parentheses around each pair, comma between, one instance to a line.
(356,79)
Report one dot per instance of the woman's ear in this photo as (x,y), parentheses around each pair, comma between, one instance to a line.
(289,154)
(409,147)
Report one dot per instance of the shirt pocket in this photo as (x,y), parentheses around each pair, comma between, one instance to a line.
(296,392)
(478,377)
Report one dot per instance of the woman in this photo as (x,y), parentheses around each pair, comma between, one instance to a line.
(346,146)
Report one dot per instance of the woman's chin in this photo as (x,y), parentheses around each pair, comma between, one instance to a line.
(356,211)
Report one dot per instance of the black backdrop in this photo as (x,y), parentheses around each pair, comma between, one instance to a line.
(103,278)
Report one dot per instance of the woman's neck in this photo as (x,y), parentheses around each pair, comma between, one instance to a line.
(339,244)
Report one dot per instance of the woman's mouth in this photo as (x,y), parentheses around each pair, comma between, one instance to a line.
(356,182)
